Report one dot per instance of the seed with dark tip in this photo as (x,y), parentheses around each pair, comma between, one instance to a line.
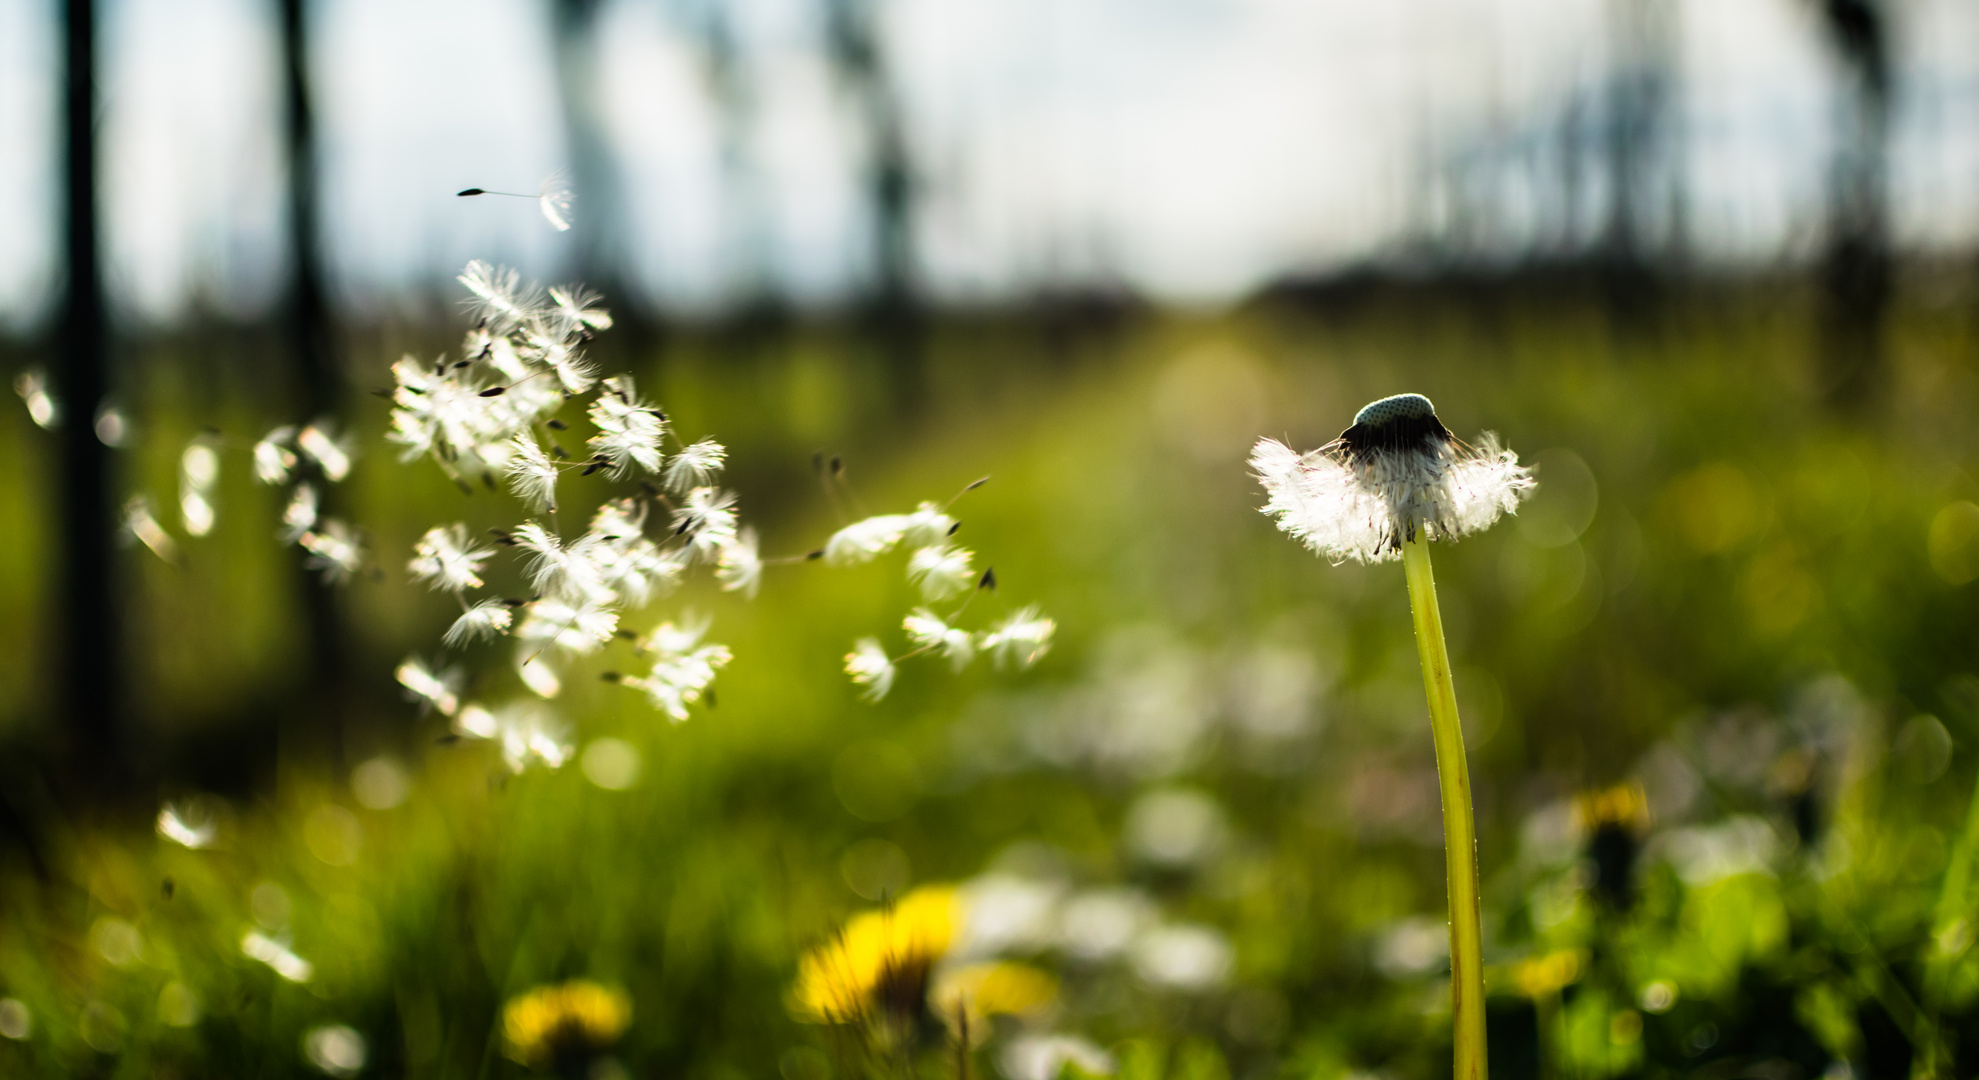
(494,391)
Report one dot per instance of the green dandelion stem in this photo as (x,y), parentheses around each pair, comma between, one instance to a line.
(1459,824)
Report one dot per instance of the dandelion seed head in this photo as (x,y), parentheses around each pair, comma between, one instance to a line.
(629,431)
(707,518)
(696,465)
(927,526)
(1397,469)
(578,307)
(870,668)
(532,475)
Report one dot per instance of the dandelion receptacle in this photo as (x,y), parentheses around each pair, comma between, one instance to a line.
(1390,484)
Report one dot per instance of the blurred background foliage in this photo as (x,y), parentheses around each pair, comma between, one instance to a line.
(1718,674)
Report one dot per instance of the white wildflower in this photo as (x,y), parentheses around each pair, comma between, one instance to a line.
(870,668)
(695,466)
(199,470)
(32,386)
(574,628)
(864,541)
(439,690)
(186,826)
(258,946)
(1020,639)
(928,631)
(1396,470)
(140,523)
(300,515)
(683,668)
(555,200)
(329,454)
(272,457)
(739,568)
(532,475)
(629,430)
(941,572)
(445,558)
(334,549)
(487,619)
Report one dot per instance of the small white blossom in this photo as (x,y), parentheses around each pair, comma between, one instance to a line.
(272,457)
(739,568)
(941,572)
(870,668)
(1396,470)
(532,475)
(864,541)
(487,619)
(1020,639)
(695,466)
(300,515)
(439,690)
(445,558)
(335,550)
(928,631)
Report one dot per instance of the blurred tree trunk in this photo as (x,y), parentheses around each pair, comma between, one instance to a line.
(1855,268)
(1638,145)
(893,311)
(311,332)
(97,742)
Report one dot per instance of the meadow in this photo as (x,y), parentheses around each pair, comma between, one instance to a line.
(1718,680)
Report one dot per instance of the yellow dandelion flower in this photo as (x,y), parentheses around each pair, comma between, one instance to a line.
(880,961)
(553,1023)
(965,997)
(1624,805)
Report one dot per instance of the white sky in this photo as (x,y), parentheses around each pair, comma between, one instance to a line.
(1191,149)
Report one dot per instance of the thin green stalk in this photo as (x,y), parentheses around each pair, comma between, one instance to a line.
(1459,824)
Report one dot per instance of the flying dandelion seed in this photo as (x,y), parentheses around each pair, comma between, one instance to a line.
(335,549)
(870,668)
(696,465)
(273,460)
(532,475)
(444,558)
(739,568)
(927,631)
(329,454)
(199,470)
(556,200)
(435,690)
(1021,639)
(139,523)
(299,516)
(941,572)
(486,620)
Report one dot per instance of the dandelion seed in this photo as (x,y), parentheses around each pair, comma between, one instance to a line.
(870,668)
(1396,470)
(532,475)
(1020,639)
(928,526)
(487,619)
(329,454)
(683,668)
(185,826)
(258,946)
(629,432)
(139,522)
(529,734)
(335,550)
(707,518)
(927,631)
(941,572)
(864,541)
(556,200)
(739,568)
(572,368)
(574,628)
(439,690)
(300,515)
(577,306)
(199,470)
(475,722)
(32,386)
(572,572)
(272,458)
(444,558)
(696,465)
(500,297)
(537,674)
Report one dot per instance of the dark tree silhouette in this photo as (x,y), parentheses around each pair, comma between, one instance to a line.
(1855,268)
(310,328)
(97,738)
(594,223)
(853,36)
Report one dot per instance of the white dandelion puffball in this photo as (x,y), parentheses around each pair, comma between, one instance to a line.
(1396,470)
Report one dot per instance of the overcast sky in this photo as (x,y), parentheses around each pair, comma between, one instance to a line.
(1190,149)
